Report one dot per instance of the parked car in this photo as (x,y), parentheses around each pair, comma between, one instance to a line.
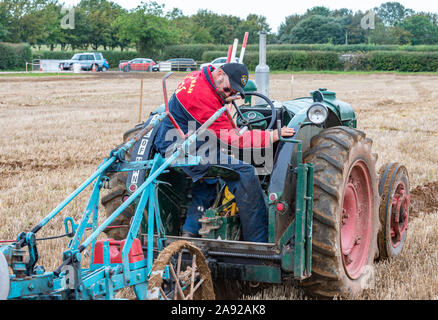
(217,62)
(87,60)
(138,64)
(182,64)
(156,67)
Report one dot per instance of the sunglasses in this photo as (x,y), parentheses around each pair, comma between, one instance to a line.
(229,90)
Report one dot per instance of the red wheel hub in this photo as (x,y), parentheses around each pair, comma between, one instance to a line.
(357,220)
(399,214)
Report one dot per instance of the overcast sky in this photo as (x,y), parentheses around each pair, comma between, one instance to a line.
(275,11)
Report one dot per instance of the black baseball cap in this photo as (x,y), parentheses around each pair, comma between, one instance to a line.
(238,75)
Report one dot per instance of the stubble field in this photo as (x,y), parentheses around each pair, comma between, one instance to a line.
(55,131)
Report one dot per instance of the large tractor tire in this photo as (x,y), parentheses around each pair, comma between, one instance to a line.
(118,193)
(345,213)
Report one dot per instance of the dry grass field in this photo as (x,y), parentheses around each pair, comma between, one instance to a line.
(56,131)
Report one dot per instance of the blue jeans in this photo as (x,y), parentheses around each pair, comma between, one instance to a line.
(248,194)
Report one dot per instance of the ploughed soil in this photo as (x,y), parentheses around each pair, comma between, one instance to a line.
(424,198)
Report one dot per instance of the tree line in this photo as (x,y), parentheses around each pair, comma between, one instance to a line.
(148,27)
(103,23)
(392,24)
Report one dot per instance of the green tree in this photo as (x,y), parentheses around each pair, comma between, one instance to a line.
(222,28)
(147,28)
(341,13)
(423,30)
(12,11)
(392,13)
(32,29)
(318,11)
(187,29)
(318,29)
(400,36)
(51,19)
(100,16)
(3,33)
(343,16)
(382,34)
(285,29)
(353,32)
(253,24)
(77,38)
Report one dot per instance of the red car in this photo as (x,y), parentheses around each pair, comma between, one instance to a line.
(138,64)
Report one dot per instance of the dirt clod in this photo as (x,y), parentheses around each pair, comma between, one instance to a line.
(424,198)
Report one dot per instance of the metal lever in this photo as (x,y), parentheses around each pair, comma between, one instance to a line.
(241,131)
(279,128)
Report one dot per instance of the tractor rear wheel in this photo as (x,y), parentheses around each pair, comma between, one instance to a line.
(345,212)
(394,209)
(117,195)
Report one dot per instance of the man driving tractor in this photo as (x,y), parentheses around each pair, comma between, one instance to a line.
(195,100)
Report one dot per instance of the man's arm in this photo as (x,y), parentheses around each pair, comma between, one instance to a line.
(249,139)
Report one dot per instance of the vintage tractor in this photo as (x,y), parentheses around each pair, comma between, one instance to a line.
(330,215)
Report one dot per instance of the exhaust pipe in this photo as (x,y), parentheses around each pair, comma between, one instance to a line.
(262,70)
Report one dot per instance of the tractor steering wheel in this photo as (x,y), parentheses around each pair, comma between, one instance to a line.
(247,123)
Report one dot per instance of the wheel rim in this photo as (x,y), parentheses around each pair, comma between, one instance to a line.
(399,214)
(186,280)
(184,283)
(357,220)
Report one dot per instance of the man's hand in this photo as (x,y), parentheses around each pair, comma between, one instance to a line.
(285,132)
(232,98)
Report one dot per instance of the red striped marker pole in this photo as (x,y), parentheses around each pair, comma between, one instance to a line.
(230,50)
(242,52)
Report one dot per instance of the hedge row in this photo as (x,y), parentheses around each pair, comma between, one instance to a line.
(113,57)
(14,56)
(348,48)
(402,61)
(328,60)
(196,51)
(289,60)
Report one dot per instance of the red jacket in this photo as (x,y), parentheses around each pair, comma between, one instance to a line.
(199,97)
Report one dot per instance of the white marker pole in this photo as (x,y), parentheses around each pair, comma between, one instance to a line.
(242,53)
(291,86)
(233,54)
